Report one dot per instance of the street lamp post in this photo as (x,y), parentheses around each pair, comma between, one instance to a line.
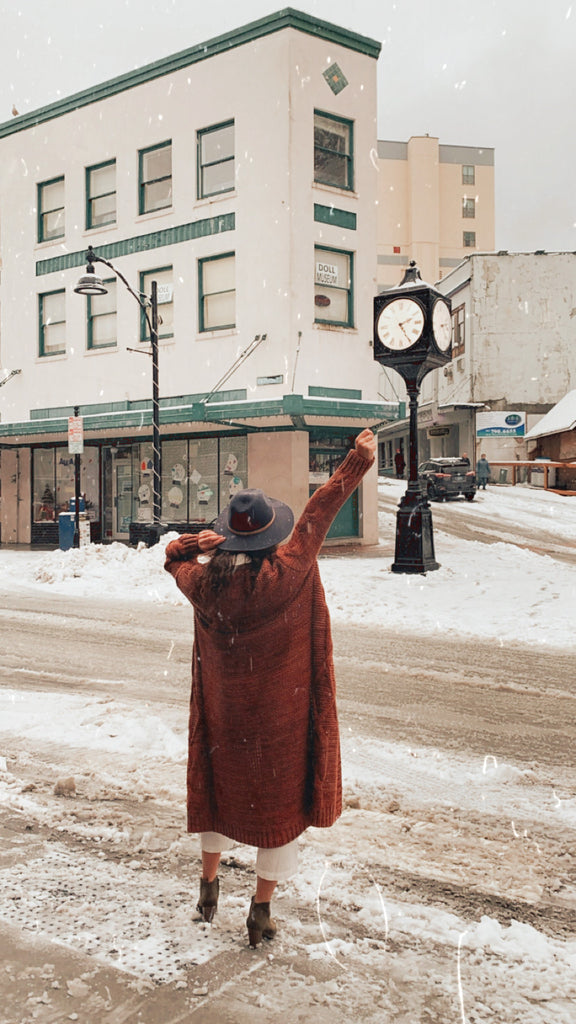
(412,335)
(91,284)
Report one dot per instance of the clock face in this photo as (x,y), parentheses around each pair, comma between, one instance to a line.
(442,325)
(400,324)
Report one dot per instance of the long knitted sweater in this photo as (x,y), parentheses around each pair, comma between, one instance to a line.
(264,750)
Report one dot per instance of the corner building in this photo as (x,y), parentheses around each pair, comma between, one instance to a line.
(238,175)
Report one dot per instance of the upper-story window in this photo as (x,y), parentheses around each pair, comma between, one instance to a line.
(51,221)
(217,292)
(468,207)
(468,174)
(155,177)
(458,330)
(101,312)
(333,151)
(333,274)
(469,239)
(101,194)
(164,278)
(52,323)
(216,160)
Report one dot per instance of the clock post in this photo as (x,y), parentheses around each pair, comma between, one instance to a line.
(413,335)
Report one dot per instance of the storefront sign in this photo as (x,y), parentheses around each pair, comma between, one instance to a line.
(75,435)
(165,293)
(326,273)
(500,424)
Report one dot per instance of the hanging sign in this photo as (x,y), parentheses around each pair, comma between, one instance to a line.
(75,435)
(500,424)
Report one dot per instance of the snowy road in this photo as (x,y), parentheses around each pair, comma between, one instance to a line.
(446,893)
(416,852)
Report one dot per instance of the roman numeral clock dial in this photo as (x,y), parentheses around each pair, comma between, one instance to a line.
(400,324)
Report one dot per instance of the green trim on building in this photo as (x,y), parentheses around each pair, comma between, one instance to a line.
(142,243)
(190,409)
(287,18)
(330,215)
(319,392)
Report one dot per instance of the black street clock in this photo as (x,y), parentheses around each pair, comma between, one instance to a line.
(413,335)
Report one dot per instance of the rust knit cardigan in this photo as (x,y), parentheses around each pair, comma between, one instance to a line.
(264,748)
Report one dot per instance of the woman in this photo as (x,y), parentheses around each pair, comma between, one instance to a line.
(264,752)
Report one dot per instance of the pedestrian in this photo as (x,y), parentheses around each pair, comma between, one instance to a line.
(263,745)
(482,471)
(400,464)
(465,458)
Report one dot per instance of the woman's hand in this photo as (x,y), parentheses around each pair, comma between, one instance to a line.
(365,445)
(207,540)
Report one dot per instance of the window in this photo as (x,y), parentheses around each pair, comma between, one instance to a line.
(199,477)
(51,210)
(52,317)
(217,292)
(155,178)
(53,482)
(101,194)
(102,317)
(468,207)
(333,139)
(458,330)
(164,279)
(469,239)
(468,174)
(333,287)
(216,160)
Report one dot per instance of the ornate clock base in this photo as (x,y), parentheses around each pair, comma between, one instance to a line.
(414,536)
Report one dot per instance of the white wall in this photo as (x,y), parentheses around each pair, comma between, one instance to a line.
(270,87)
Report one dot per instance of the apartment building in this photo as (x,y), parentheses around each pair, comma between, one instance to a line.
(435,206)
(236,174)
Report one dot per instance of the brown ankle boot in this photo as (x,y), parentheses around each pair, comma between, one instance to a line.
(208,902)
(259,923)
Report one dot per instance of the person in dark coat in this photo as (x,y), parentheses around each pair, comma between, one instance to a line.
(264,749)
(482,471)
(400,464)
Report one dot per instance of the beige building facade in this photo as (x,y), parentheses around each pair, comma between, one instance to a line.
(435,206)
(237,174)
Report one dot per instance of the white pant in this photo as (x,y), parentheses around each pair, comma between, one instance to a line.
(275,865)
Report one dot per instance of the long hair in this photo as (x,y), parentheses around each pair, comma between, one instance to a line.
(221,567)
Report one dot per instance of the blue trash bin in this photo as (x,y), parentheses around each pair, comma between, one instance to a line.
(66,526)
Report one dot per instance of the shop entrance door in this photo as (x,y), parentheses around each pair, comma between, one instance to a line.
(322,466)
(121,493)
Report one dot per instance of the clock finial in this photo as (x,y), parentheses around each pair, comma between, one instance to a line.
(411,275)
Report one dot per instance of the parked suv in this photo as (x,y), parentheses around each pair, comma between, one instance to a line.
(447,478)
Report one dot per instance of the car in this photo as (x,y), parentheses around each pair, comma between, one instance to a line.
(447,478)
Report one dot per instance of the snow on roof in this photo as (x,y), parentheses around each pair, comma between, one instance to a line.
(561,417)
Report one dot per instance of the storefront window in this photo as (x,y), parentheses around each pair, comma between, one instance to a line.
(44,497)
(175,481)
(142,493)
(233,468)
(199,477)
(54,483)
(203,481)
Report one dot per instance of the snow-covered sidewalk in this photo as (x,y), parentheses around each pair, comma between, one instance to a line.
(494,591)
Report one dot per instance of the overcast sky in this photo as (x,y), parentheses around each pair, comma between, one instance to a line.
(498,73)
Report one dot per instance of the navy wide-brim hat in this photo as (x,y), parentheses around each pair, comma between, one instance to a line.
(253,522)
